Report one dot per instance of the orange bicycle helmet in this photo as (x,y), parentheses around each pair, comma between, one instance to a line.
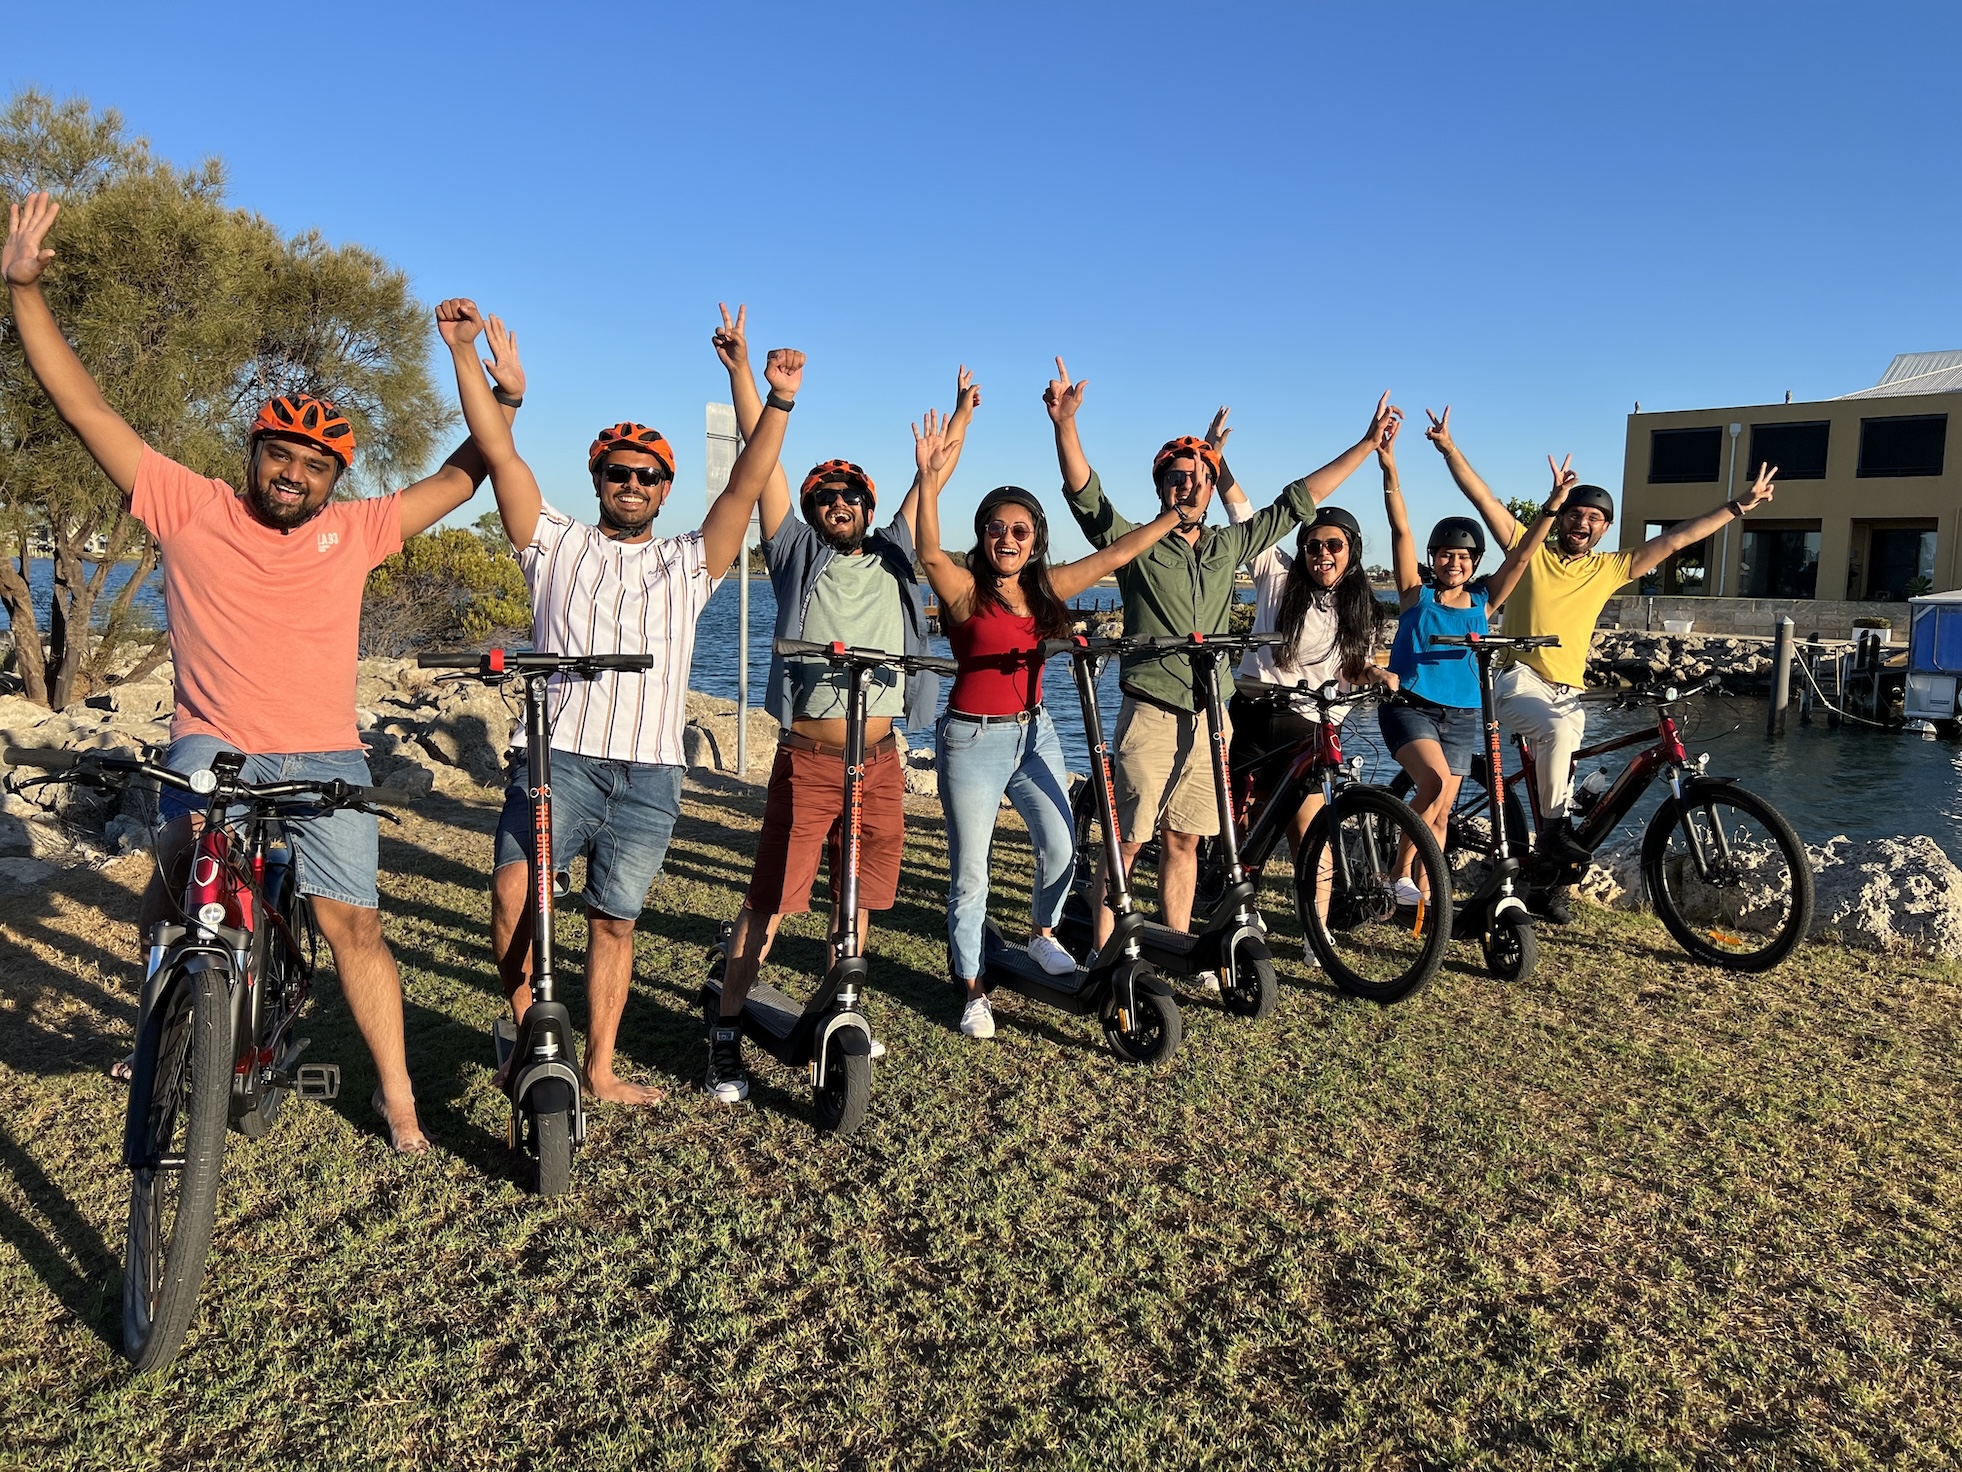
(1185,444)
(836,470)
(626,435)
(304,417)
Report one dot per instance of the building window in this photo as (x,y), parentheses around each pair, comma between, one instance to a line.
(1686,456)
(1779,561)
(1900,562)
(1797,451)
(1910,444)
(1685,573)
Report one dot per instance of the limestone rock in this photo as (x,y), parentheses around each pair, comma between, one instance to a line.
(1889,894)
(471,731)
(1614,879)
(18,876)
(699,748)
(125,834)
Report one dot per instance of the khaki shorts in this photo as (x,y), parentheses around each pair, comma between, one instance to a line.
(1164,773)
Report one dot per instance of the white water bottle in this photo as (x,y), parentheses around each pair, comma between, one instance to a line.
(1592,786)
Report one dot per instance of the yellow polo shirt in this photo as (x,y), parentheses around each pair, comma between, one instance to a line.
(1563,596)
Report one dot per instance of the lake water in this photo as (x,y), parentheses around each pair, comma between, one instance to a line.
(40,582)
(1856,781)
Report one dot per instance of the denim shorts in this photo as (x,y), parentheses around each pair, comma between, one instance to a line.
(1457,729)
(333,854)
(618,815)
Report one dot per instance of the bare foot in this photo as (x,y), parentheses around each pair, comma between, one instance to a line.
(618,1091)
(409,1140)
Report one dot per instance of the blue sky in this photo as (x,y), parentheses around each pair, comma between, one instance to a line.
(1537,213)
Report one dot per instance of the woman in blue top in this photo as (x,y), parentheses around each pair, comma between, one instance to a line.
(1433,724)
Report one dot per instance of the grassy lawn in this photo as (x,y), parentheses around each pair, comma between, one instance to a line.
(1634,1213)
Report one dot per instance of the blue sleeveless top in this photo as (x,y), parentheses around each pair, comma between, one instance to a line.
(1441,675)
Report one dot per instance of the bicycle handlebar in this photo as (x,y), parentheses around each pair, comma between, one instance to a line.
(846,654)
(92,764)
(504,661)
(49,758)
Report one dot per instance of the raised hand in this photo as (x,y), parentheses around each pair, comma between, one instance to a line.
(1062,397)
(1218,431)
(503,365)
(933,447)
(1761,488)
(24,260)
(1385,415)
(458,320)
(1565,478)
(731,346)
(967,398)
(1385,446)
(1439,433)
(783,370)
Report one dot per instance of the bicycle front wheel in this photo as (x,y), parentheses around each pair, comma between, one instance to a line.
(1344,884)
(172,1203)
(1728,877)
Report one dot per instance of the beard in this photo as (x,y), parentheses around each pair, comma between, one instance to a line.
(845,542)
(612,521)
(275,512)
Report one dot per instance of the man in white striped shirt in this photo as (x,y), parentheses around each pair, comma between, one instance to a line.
(617,762)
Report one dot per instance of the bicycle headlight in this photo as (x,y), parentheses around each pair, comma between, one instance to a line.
(204,780)
(211,916)
(1671,694)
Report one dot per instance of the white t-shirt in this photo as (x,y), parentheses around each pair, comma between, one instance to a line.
(593,595)
(1318,651)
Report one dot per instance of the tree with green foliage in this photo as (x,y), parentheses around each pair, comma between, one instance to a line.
(445,588)
(188,314)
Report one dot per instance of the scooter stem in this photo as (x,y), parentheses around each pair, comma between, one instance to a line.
(1117,885)
(1229,837)
(538,787)
(851,820)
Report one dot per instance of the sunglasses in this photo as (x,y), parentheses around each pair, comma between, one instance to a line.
(1021,531)
(850,495)
(1333,545)
(1178,480)
(648,475)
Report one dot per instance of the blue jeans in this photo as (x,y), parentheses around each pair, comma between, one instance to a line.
(619,815)
(977,764)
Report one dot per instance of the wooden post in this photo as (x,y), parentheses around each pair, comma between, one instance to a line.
(1781,678)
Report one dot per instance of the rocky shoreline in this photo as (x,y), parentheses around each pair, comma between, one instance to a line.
(424,734)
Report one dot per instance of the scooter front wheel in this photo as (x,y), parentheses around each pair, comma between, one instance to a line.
(1512,947)
(847,1090)
(1155,1032)
(548,1125)
(1255,988)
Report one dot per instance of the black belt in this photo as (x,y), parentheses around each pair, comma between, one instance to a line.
(1020,718)
(1416,701)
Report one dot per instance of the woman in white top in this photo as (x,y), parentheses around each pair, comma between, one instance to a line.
(1319,599)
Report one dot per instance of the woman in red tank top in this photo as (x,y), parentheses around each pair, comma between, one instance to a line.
(995,738)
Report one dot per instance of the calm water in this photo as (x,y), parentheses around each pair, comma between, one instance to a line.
(40,582)
(1855,781)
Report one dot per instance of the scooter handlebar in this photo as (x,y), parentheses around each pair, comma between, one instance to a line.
(850,654)
(1229,643)
(1082,647)
(504,661)
(1498,641)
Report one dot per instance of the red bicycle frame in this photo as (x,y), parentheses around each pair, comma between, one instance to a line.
(1627,789)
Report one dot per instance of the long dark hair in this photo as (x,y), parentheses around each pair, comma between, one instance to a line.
(1051,614)
(1358,616)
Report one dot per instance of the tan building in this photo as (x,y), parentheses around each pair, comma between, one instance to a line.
(1869,503)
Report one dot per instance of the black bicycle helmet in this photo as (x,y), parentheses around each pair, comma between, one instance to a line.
(1002,496)
(1336,517)
(1593,496)
(1459,531)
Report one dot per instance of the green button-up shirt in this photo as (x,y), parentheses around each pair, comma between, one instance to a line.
(1179,587)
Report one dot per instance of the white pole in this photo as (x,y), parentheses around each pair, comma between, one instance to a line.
(724,444)
(1722,558)
(742,667)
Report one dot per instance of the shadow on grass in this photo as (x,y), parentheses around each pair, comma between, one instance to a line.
(70,1256)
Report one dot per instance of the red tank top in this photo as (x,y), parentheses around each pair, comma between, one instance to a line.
(999,671)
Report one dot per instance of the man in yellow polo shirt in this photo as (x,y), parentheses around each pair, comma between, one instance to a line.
(1564,588)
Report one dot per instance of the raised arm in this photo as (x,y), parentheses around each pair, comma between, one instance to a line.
(1232,497)
(512,482)
(1074,577)
(1502,582)
(434,497)
(967,398)
(106,435)
(1248,539)
(1063,399)
(1403,544)
(934,455)
(1503,526)
(731,344)
(756,467)
(1652,553)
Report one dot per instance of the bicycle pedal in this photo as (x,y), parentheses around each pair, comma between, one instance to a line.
(320,1082)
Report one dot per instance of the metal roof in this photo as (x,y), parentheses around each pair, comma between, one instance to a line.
(1916,373)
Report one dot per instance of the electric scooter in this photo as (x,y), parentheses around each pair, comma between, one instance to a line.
(1495,914)
(1231,939)
(548,1113)
(827,1034)
(1139,1014)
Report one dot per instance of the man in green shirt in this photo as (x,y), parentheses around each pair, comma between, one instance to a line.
(1183,585)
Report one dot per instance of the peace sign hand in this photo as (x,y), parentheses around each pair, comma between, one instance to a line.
(1565,478)
(1386,414)
(1439,433)
(1062,397)
(1761,488)
(731,345)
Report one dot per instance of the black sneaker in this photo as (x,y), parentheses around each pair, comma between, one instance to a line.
(1552,904)
(1559,846)
(727,1079)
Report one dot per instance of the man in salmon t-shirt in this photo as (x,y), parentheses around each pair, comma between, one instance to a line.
(263,594)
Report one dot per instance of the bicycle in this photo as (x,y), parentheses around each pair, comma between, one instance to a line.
(223,989)
(1344,876)
(1724,870)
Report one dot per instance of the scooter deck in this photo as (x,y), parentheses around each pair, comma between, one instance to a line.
(1169,949)
(768,1015)
(1012,967)
(504,1039)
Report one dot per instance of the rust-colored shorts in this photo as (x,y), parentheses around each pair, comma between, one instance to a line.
(801,819)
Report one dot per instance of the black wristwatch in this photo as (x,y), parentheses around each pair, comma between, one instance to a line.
(1549,509)
(1736,509)
(778,401)
(509,401)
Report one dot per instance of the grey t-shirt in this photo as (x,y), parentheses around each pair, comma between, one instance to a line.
(855,602)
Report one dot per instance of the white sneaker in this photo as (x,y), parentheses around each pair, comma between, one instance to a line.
(1048,953)
(1407,893)
(1207,982)
(978,1019)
